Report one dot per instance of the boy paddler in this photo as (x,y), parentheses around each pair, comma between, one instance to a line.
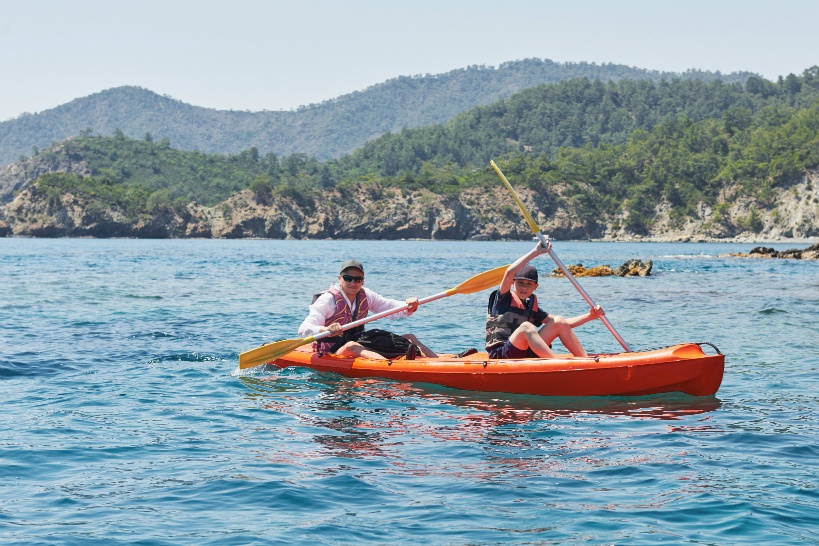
(516,327)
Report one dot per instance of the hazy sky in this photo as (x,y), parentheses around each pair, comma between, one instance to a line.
(274,55)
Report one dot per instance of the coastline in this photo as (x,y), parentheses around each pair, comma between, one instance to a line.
(742,239)
(738,239)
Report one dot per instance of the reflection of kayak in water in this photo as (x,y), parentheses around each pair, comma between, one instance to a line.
(482,412)
(680,368)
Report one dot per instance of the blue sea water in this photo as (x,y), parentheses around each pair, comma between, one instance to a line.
(124,419)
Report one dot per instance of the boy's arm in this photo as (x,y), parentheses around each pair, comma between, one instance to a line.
(514,267)
(594,313)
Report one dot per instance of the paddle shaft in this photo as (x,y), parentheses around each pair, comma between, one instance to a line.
(383,314)
(271,351)
(476,283)
(545,242)
(617,336)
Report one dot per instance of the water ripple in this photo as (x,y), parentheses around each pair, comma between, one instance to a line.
(126,419)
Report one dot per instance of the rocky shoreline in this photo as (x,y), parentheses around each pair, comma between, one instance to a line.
(810,253)
(681,238)
(371,212)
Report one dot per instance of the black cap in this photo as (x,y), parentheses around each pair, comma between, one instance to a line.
(351,263)
(527,273)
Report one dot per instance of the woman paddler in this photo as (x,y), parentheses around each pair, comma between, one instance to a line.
(347,301)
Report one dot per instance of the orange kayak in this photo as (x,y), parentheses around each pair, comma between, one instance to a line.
(680,368)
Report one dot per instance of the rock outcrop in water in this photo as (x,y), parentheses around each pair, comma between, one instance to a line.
(810,253)
(632,268)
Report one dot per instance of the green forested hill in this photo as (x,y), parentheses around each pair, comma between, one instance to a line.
(606,153)
(330,129)
(574,114)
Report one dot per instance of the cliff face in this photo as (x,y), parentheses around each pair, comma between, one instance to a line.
(790,213)
(20,175)
(359,214)
(388,213)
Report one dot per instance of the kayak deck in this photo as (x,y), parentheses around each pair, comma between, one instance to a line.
(679,368)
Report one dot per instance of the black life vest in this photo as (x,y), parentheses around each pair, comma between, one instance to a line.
(499,328)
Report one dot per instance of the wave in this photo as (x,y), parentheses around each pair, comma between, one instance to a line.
(190,357)
(700,256)
(772,311)
(30,365)
(265,263)
(161,335)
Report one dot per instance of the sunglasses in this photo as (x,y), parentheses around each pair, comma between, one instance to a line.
(352,278)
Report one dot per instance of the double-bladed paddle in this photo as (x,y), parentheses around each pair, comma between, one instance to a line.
(272,351)
(544,241)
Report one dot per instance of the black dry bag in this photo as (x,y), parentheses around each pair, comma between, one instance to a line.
(385,343)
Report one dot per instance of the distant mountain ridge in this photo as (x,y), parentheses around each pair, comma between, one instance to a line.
(674,160)
(325,130)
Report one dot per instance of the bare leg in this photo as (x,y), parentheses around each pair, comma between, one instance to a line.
(351,348)
(426,351)
(527,337)
(559,327)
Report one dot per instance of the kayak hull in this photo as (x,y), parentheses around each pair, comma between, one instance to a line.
(680,368)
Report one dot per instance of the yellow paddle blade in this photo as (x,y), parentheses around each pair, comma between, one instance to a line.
(526,215)
(271,351)
(479,282)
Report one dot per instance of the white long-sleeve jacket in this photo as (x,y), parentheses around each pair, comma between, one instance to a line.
(324,308)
